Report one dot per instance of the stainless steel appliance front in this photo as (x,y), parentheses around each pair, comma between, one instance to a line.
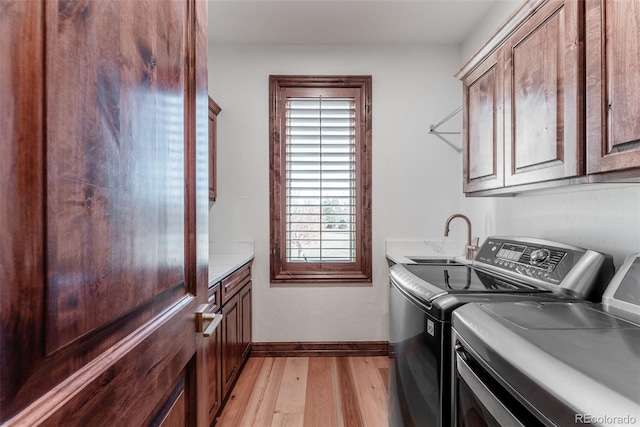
(422,298)
(550,363)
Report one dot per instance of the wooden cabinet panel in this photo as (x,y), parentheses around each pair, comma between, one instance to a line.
(540,55)
(230,345)
(245,304)
(613,85)
(231,341)
(214,356)
(543,106)
(236,280)
(483,127)
(214,364)
(214,110)
(103,211)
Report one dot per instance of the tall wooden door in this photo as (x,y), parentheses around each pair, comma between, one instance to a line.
(103,218)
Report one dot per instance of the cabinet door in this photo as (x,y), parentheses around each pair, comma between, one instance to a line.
(483,126)
(245,303)
(214,110)
(214,356)
(613,85)
(214,366)
(231,341)
(543,106)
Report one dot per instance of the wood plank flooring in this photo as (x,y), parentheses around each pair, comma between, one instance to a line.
(309,392)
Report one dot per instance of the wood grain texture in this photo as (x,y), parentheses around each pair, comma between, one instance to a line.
(231,339)
(115,220)
(613,79)
(322,403)
(544,120)
(104,214)
(214,373)
(323,392)
(483,133)
(311,349)
(245,297)
(235,281)
(22,208)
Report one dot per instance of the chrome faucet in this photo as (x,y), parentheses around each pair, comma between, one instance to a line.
(471,247)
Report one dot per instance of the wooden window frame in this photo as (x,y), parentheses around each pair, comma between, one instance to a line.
(288,272)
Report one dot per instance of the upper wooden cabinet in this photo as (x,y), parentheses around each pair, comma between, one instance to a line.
(522,103)
(483,126)
(613,85)
(526,95)
(214,110)
(543,104)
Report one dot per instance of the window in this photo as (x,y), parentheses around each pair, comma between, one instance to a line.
(320,178)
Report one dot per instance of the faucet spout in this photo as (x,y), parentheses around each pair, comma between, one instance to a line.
(471,248)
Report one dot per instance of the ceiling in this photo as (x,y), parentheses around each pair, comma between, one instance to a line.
(344,21)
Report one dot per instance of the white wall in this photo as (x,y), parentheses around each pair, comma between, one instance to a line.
(417,179)
(494,18)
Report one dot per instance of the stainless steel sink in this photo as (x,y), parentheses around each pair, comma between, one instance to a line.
(435,261)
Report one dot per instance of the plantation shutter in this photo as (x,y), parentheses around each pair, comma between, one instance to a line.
(320,179)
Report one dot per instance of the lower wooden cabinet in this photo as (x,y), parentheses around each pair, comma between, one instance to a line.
(231,336)
(245,314)
(214,373)
(231,344)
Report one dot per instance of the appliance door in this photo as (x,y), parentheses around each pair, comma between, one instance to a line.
(416,383)
(479,400)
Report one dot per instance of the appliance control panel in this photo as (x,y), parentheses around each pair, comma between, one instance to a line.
(529,258)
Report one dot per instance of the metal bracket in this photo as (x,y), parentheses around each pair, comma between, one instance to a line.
(433,131)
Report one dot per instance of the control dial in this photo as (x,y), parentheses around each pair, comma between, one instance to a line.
(539,256)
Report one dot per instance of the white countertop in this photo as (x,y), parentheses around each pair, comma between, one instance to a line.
(401,251)
(227,256)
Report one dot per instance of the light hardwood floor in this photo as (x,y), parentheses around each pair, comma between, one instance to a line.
(309,392)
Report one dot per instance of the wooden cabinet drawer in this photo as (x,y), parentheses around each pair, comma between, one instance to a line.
(232,283)
(215,298)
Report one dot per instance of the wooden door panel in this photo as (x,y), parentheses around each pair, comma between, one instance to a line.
(103,239)
(130,382)
(543,108)
(176,414)
(115,219)
(613,79)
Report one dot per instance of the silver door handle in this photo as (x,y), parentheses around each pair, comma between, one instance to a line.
(203,316)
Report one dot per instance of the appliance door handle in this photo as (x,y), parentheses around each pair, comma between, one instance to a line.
(495,407)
